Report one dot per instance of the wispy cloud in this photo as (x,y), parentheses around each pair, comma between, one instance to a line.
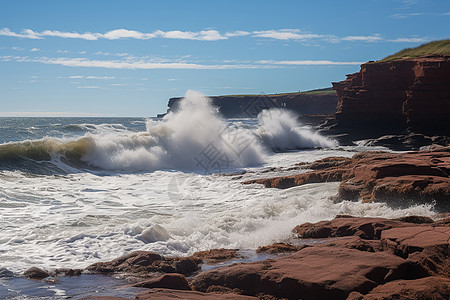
(145,64)
(26,33)
(237,33)
(101,77)
(88,87)
(35,49)
(406,15)
(359,38)
(409,40)
(285,34)
(203,35)
(308,62)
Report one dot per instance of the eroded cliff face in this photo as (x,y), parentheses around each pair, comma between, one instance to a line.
(393,96)
(248,106)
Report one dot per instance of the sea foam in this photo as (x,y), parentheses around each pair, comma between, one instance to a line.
(194,138)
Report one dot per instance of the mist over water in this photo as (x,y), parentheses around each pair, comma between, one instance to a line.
(279,130)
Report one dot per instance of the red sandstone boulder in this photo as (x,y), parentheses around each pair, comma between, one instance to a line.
(366,228)
(216,255)
(279,248)
(311,273)
(166,294)
(170,281)
(435,287)
(428,246)
(36,273)
(144,262)
(397,178)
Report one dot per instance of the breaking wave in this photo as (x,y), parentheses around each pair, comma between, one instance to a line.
(194,138)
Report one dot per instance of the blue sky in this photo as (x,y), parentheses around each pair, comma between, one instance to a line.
(127,58)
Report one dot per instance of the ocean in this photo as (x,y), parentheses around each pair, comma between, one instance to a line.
(75,191)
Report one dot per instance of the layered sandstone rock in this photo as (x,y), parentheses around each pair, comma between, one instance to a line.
(398,179)
(361,258)
(391,96)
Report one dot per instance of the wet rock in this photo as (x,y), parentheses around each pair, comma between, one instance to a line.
(434,287)
(366,228)
(279,248)
(5,273)
(166,294)
(416,219)
(400,179)
(68,272)
(216,255)
(144,262)
(170,281)
(311,273)
(427,246)
(36,273)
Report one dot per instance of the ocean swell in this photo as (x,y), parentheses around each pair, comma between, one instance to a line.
(194,138)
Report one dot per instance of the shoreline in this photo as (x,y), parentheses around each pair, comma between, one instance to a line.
(405,255)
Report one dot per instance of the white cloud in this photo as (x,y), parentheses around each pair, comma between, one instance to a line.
(26,33)
(237,33)
(88,87)
(124,33)
(35,49)
(76,77)
(307,62)
(409,40)
(70,35)
(101,77)
(146,64)
(286,34)
(359,38)
(204,35)
(406,15)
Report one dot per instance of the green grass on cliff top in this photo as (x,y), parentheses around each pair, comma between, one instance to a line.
(432,48)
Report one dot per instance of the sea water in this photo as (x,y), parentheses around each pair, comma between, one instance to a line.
(75,191)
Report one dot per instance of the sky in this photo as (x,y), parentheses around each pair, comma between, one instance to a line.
(127,58)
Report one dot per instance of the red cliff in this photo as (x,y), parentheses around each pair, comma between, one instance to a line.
(391,96)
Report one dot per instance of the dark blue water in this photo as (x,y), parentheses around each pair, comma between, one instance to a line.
(76,287)
(21,129)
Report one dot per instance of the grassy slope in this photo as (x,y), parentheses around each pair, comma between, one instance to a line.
(432,48)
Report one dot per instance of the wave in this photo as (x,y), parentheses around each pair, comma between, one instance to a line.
(194,138)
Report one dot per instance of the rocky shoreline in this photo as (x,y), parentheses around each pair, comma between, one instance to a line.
(399,179)
(350,258)
(344,258)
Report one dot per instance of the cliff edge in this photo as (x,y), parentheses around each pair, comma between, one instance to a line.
(397,95)
(321,101)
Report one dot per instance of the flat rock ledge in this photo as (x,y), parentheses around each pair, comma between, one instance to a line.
(358,258)
(399,179)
